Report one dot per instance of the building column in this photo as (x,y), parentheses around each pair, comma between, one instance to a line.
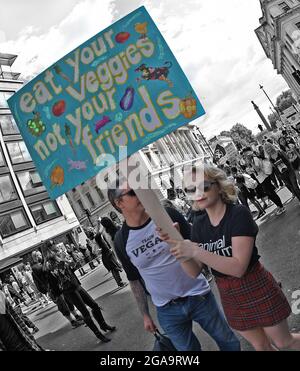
(163,151)
(154,158)
(184,144)
(177,150)
(191,141)
(200,148)
(169,155)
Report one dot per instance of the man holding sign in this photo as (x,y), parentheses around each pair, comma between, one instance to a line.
(179,300)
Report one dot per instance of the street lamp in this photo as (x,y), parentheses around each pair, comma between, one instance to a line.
(275,108)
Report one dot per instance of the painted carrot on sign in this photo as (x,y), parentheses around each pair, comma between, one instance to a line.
(59,71)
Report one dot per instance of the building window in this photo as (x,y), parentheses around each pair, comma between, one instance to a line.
(7,189)
(149,158)
(46,211)
(284,6)
(8,125)
(81,205)
(13,223)
(91,201)
(100,194)
(31,182)
(288,44)
(2,162)
(290,39)
(4,95)
(18,152)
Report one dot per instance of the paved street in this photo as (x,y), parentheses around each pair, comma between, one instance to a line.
(279,246)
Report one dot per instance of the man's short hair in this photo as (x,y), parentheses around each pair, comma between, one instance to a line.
(114,191)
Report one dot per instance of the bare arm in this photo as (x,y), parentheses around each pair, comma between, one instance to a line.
(142,301)
(140,297)
(235,266)
(192,267)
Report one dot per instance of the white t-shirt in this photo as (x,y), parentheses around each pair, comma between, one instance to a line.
(162,273)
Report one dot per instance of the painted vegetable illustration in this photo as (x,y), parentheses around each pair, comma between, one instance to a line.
(59,72)
(188,106)
(77,165)
(141,28)
(69,137)
(59,108)
(127,99)
(57,176)
(105,120)
(121,37)
(35,125)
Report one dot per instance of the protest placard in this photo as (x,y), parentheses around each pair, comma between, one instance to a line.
(122,87)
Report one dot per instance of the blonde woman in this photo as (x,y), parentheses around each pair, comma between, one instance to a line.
(224,239)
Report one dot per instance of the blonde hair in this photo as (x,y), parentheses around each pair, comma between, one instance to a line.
(228,190)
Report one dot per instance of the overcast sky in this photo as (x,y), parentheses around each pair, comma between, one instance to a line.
(213,40)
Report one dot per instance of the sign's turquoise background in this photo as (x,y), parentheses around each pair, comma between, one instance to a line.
(130,117)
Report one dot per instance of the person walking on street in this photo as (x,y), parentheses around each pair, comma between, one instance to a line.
(48,284)
(92,246)
(14,334)
(86,255)
(110,227)
(247,187)
(38,276)
(15,291)
(287,173)
(77,258)
(17,308)
(264,169)
(179,299)
(225,239)
(109,258)
(289,147)
(74,292)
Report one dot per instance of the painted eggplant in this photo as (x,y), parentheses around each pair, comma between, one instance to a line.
(127,99)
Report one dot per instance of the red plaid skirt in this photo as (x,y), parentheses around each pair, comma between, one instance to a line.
(253,301)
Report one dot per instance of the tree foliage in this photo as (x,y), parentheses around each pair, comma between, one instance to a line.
(285,100)
(240,135)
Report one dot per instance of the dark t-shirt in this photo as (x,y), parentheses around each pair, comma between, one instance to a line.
(40,277)
(237,221)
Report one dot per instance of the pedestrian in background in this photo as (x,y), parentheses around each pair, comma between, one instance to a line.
(14,334)
(108,256)
(264,168)
(72,290)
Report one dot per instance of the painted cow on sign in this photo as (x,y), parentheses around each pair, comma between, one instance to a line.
(155,73)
